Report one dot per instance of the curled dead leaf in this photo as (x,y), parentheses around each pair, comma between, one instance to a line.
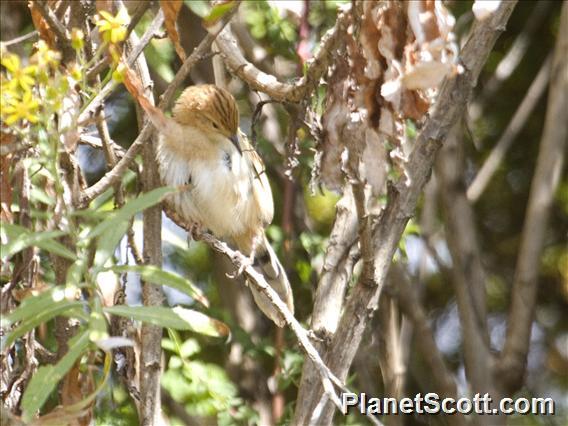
(171,11)
(40,24)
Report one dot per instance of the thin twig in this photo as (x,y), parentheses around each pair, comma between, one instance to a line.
(512,58)
(269,84)
(138,13)
(20,39)
(242,263)
(513,363)
(516,124)
(467,274)
(132,56)
(259,282)
(197,55)
(57,27)
(442,378)
(96,143)
(403,198)
(256,117)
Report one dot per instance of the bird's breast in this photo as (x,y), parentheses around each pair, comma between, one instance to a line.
(217,189)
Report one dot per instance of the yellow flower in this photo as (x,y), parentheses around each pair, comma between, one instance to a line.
(113,28)
(44,56)
(76,72)
(118,73)
(77,38)
(16,109)
(19,77)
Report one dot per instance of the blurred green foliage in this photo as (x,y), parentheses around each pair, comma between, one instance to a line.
(194,374)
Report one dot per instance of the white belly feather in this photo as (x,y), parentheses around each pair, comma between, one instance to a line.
(219,198)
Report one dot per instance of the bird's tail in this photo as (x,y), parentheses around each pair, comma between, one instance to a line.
(266,262)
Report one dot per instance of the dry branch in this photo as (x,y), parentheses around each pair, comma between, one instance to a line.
(512,365)
(152,293)
(512,58)
(242,263)
(442,379)
(467,274)
(54,24)
(453,96)
(269,84)
(516,124)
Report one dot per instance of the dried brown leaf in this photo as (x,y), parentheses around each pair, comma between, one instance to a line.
(40,24)
(5,186)
(134,86)
(171,11)
(413,105)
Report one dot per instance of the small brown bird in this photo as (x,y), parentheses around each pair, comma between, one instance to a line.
(225,187)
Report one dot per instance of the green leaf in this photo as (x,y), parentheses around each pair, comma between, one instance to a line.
(20,238)
(126,212)
(219,11)
(412,228)
(39,194)
(155,275)
(199,7)
(97,322)
(107,242)
(189,348)
(35,310)
(177,318)
(44,381)
(410,129)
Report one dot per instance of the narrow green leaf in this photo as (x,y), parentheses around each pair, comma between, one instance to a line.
(20,238)
(219,11)
(39,194)
(44,381)
(107,242)
(155,275)
(126,212)
(177,318)
(35,310)
(199,7)
(32,305)
(97,322)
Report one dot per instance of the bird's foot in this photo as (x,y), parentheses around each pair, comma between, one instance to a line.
(243,262)
(195,230)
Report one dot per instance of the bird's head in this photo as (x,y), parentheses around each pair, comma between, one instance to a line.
(211,109)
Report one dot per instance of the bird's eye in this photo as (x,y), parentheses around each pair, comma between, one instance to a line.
(215,125)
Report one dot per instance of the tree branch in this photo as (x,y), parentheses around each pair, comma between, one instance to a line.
(467,272)
(453,96)
(269,84)
(152,293)
(512,365)
(516,124)
(54,24)
(242,263)
(511,60)
(442,378)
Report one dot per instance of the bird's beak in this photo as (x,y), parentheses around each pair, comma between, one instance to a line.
(235,141)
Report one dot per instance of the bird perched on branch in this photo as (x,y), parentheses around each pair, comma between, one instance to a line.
(223,180)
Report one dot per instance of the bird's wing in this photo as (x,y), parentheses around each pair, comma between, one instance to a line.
(261,186)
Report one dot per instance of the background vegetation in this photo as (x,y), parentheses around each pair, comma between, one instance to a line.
(63,252)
